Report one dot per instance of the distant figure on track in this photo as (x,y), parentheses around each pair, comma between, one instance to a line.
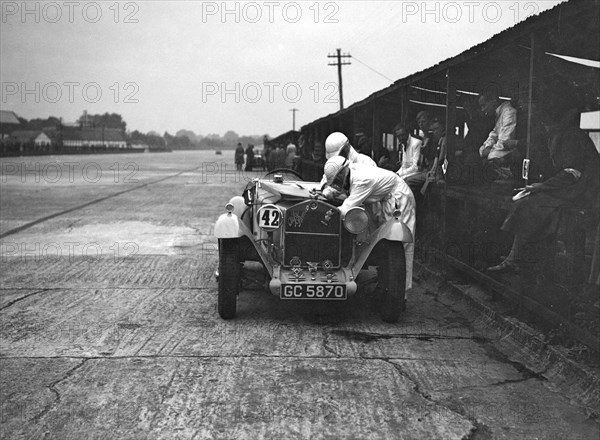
(249,157)
(290,154)
(278,157)
(239,156)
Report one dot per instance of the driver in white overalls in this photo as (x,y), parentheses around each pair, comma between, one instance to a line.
(379,190)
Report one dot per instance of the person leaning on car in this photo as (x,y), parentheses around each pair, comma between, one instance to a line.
(337,144)
(381,191)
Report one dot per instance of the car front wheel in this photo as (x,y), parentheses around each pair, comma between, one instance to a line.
(392,281)
(229,277)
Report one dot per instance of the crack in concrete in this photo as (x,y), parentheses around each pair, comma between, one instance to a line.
(57,396)
(404,374)
(494,384)
(427,396)
(163,390)
(23,297)
(494,353)
(373,336)
(72,224)
(326,345)
(479,432)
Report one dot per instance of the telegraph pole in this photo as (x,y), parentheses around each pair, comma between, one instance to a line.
(339,65)
(294,110)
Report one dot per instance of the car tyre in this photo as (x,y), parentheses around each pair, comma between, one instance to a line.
(392,281)
(229,277)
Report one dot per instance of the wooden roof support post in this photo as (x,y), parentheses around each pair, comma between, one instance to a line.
(450,122)
(527,278)
(376,131)
(404,105)
(450,114)
(533,111)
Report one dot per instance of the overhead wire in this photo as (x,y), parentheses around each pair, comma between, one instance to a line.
(375,14)
(373,69)
(388,25)
(389,18)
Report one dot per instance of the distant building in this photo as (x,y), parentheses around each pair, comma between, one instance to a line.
(35,138)
(9,122)
(93,137)
(140,146)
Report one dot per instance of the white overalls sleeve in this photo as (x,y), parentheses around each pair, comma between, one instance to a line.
(360,190)
(365,160)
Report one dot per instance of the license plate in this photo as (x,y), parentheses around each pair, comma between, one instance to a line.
(313,291)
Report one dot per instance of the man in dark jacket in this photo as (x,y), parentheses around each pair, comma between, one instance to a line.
(535,217)
(249,157)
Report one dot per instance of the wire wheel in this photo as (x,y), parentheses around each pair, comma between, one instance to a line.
(392,281)
(229,277)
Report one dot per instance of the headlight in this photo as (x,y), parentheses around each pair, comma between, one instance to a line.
(269,217)
(356,220)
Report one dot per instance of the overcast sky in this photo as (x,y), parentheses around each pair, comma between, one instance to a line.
(166,66)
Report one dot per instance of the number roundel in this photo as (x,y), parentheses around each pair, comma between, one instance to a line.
(269,217)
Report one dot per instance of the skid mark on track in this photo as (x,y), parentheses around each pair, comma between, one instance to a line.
(84,205)
(22,298)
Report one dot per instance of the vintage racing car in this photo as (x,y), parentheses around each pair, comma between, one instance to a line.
(308,251)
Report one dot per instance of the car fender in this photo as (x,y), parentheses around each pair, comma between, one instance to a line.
(393,230)
(239,205)
(230,225)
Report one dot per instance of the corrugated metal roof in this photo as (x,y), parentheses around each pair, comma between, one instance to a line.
(285,136)
(562,10)
(547,18)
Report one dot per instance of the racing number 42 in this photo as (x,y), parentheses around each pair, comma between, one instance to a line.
(270,218)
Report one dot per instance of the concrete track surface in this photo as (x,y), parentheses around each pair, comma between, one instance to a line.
(109,328)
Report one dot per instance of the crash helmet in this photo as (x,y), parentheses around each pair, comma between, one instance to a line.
(334,144)
(333,167)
